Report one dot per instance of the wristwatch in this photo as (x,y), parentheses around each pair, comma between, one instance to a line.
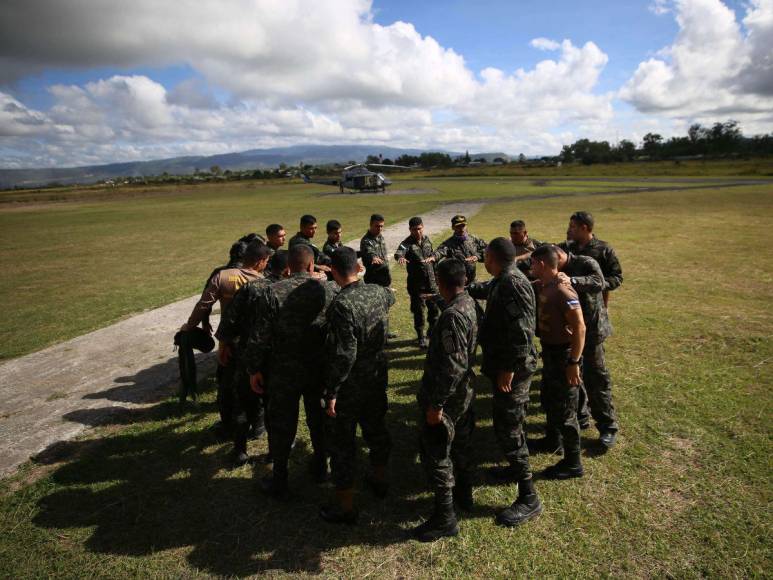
(571,361)
(573,281)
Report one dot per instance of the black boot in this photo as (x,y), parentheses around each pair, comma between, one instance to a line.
(422,340)
(341,511)
(240,447)
(550,443)
(318,468)
(463,494)
(376,481)
(570,466)
(527,507)
(442,523)
(275,484)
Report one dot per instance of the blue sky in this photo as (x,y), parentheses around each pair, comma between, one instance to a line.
(202,76)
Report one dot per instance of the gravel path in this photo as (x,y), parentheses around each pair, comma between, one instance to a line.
(55,394)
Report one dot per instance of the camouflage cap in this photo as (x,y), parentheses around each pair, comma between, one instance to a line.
(458,220)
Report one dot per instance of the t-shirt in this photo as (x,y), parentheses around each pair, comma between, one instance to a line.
(555,300)
(222,286)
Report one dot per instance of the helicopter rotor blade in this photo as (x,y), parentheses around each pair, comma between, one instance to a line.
(387,165)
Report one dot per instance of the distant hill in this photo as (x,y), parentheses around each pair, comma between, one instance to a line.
(251,159)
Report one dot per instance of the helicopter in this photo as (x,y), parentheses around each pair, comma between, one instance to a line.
(358,177)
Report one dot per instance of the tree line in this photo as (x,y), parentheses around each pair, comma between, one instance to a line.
(719,140)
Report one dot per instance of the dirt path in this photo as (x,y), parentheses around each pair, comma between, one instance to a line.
(54,394)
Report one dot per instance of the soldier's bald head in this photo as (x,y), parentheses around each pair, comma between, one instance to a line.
(300,258)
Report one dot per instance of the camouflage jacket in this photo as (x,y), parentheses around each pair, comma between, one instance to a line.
(507,330)
(290,329)
(603,253)
(588,282)
(530,245)
(239,319)
(462,247)
(450,357)
(421,275)
(375,247)
(329,249)
(299,238)
(357,327)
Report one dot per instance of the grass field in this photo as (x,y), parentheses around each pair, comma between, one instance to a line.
(686,493)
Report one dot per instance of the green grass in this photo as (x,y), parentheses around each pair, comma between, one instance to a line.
(686,493)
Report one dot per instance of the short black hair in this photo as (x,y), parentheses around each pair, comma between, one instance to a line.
(237,250)
(583,217)
(300,257)
(333,225)
(247,238)
(415,221)
(308,220)
(279,261)
(546,254)
(344,261)
(452,273)
(376,217)
(256,251)
(502,249)
(517,225)
(273,229)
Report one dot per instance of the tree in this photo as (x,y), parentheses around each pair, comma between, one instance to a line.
(467,158)
(215,170)
(522,158)
(372,159)
(651,144)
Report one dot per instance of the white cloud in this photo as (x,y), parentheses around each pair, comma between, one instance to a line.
(660,7)
(713,70)
(542,43)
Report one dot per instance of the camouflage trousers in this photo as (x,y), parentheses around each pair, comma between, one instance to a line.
(447,448)
(369,412)
(284,394)
(560,399)
(224,376)
(597,390)
(417,309)
(248,409)
(509,413)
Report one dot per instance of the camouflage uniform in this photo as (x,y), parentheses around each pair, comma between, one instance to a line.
(462,247)
(357,376)
(507,340)
(328,249)
(375,247)
(446,385)
(595,374)
(421,279)
(288,348)
(588,281)
(299,238)
(236,325)
(530,245)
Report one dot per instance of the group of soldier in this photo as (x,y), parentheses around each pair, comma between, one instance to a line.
(303,324)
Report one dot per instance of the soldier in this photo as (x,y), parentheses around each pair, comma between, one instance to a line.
(562,336)
(524,245)
(445,400)
(308,229)
(509,360)
(595,394)
(222,287)
(236,324)
(277,267)
(415,251)
(289,342)
(462,245)
(275,237)
(373,252)
(333,241)
(596,377)
(356,382)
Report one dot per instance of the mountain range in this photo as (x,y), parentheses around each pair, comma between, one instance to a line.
(243,160)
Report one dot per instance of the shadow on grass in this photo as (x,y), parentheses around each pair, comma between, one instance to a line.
(166,484)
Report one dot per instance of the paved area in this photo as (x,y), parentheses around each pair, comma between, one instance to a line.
(55,394)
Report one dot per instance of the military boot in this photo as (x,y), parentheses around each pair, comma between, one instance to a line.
(442,523)
(422,340)
(376,481)
(463,494)
(275,484)
(570,466)
(342,510)
(526,507)
(318,467)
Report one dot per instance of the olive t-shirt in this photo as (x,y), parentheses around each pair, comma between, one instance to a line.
(555,300)
(222,287)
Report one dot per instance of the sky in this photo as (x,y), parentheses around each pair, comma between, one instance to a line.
(85,82)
